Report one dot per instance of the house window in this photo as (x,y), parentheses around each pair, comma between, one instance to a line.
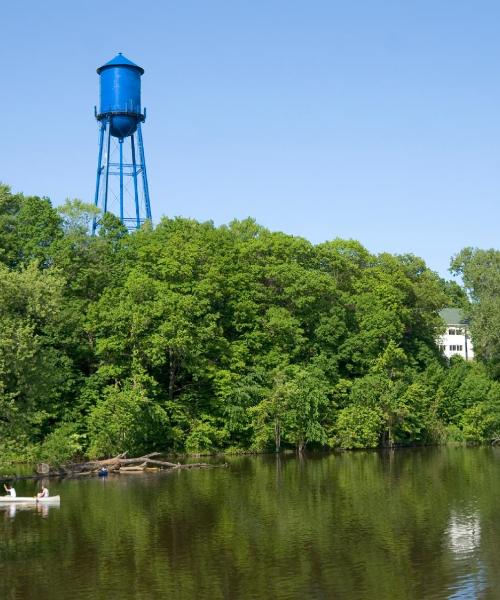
(456,348)
(451,332)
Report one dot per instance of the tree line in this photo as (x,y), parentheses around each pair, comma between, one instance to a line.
(189,337)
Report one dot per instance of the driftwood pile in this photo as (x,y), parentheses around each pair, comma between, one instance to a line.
(122,464)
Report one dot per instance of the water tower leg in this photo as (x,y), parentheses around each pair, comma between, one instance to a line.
(121,178)
(107,168)
(136,191)
(144,174)
(99,171)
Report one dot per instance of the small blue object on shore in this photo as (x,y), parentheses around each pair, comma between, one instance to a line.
(103,472)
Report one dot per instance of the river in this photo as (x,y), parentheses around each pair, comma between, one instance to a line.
(417,524)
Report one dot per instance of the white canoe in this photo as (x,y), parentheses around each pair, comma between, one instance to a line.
(29,500)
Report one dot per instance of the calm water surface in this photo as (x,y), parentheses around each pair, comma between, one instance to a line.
(411,524)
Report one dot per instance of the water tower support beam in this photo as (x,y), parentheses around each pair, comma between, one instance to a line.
(144,175)
(107,167)
(121,178)
(136,191)
(99,171)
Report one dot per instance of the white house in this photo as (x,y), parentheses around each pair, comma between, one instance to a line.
(456,339)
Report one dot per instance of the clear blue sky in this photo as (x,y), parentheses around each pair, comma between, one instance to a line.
(378,121)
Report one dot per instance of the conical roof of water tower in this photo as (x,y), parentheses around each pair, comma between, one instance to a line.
(120,61)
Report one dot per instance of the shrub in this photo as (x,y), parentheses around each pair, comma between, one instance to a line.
(60,446)
(126,420)
(481,423)
(205,436)
(358,427)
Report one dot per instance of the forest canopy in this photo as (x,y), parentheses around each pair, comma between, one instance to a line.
(189,337)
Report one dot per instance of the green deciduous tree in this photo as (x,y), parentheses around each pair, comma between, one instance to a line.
(127,419)
(293,409)
(480,270)
(36,377)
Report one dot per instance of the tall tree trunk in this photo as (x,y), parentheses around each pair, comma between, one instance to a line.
(171,378)
(277,435)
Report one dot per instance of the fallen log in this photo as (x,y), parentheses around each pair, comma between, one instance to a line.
(133,468)
(110,461)
(93,464)
(141,459)
(163,463)
(152,461)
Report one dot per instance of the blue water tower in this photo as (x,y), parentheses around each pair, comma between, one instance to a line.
(121,180)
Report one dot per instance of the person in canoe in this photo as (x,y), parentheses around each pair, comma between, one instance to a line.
(43,493)
(10,490)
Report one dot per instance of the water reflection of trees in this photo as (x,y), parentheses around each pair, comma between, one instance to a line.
(353,525)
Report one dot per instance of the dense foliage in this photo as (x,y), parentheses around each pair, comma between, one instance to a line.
(191,337)
(480,270)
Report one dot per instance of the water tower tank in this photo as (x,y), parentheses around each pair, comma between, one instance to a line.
(120,95)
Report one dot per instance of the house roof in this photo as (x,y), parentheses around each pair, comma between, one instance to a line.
(453,316)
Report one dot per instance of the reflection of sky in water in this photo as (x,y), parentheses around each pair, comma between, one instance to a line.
(471,586)
(464,533)
(463,539)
